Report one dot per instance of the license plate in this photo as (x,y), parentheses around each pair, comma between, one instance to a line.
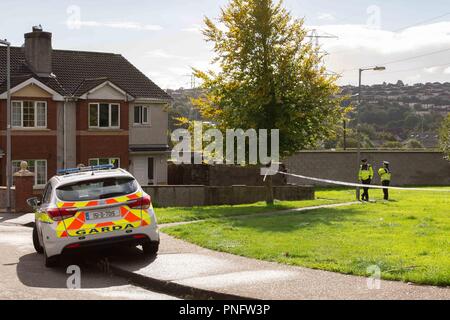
(102,215)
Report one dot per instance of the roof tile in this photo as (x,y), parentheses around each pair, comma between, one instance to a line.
(78,71)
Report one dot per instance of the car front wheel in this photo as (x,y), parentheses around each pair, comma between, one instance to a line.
(36,244)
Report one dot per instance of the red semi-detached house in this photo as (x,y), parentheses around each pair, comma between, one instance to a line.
(76,107)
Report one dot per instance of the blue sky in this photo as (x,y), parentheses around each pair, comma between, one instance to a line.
(161,37)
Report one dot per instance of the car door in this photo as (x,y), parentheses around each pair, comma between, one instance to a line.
(41,211)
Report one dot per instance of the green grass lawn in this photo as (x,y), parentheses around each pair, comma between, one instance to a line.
(408,238)
(169,215)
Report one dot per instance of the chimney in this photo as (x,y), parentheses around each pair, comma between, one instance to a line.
(38,51)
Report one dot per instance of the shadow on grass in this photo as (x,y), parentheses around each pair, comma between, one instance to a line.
(303,219)
(217,212)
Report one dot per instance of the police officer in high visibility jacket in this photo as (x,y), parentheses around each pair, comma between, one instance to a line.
(365,176)
(385,175)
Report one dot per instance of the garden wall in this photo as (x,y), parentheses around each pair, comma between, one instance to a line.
(3,198)
(420,168)
(187,196)
(218,175)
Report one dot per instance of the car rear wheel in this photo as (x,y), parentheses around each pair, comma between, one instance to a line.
(50,262)
(36,244)
(150,248)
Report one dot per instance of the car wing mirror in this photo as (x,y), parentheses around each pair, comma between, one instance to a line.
(33,202)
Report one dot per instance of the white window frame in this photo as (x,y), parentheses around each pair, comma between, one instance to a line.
(35,103)
(109,115)
(17,164)
(144,109)
(110,160)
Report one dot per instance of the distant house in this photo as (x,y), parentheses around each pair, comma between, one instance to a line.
(72,107)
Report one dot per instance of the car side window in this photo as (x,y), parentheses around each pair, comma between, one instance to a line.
(47,194)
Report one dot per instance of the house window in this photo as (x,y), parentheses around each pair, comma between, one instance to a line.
(29,114)
(104,115)
(39,167)
(141,115)
(104,161)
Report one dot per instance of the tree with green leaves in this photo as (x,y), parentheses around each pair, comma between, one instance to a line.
(270,76)
(413,144)
(444,137)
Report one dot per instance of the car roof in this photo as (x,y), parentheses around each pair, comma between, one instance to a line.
(61,180)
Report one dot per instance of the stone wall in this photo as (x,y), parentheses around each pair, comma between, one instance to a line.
(218,175)
(422,168)
(3,198)
(188,196)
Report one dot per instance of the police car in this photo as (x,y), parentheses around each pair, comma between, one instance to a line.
(92,207)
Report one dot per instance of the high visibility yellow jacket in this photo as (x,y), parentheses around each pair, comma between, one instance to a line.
(385,174)
(365,173)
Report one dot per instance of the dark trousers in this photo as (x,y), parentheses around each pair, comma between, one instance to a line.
(365,195)
(386,191)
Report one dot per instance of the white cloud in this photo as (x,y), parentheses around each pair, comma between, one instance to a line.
(387,42)
(361,46)
(413,78)
(326,16)
(431,69)
(195,28)
(159,53)
(169,63)
(128,25)
(447,70)
(180,71)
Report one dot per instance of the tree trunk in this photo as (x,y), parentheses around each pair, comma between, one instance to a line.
(269,191)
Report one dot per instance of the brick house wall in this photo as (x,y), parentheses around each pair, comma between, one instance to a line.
(41,144)
(69,80)
(31,144)
(102,143)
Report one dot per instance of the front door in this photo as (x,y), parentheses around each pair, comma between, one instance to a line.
(151,171)
(144,170)
(140,170)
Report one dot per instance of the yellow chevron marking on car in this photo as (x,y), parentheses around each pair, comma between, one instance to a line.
(77,225)
(94,203)
(61,230)
(146,220)
(43,217)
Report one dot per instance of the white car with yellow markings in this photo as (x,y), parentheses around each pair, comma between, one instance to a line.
(93,207)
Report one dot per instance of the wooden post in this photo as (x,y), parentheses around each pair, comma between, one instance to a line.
(24,182)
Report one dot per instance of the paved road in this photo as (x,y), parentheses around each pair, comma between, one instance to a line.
(186,264)
(23,275)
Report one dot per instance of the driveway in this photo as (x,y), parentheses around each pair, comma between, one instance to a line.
(25,277)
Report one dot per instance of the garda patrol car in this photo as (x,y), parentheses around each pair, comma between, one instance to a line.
(90,207)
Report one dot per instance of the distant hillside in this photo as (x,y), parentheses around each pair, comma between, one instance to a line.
(423,98)
(392,115)
(182,106)
(408,112)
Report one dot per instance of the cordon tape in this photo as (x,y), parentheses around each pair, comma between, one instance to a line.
(357,185)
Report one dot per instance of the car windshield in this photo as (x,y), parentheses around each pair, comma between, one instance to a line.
(97,189)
